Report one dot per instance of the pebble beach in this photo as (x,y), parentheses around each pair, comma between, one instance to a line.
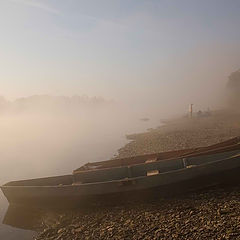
(211,214)
(206,214)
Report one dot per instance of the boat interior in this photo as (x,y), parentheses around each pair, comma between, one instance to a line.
(120,162)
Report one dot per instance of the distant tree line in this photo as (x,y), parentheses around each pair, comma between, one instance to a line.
(47,103)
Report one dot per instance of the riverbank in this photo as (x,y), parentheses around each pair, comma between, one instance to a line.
(206,214)
(183,133)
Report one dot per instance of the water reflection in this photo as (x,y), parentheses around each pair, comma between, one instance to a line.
(23,217)
(9,230)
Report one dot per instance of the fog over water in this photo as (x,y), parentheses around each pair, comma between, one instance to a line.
(41,139)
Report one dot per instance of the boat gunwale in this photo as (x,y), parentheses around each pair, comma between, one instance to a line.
(204,165)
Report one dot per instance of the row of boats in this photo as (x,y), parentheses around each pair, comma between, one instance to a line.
(159,173)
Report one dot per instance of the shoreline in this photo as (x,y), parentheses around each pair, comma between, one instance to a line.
(182,133)
(207,214)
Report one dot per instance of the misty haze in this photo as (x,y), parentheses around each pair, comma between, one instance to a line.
(119,119)
(47,135)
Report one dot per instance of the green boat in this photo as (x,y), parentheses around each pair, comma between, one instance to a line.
(161,174)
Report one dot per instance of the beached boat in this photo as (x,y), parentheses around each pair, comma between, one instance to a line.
(179,171)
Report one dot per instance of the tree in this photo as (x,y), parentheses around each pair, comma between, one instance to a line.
(233,88)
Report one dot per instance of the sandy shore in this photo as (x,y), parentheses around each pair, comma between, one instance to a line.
(207,214)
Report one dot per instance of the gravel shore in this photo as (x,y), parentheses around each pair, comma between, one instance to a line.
(211,214)
(207,214)
(184,133)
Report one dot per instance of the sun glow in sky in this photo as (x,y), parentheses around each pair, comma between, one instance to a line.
(149,51)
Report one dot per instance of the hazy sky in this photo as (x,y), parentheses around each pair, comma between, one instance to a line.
(156,50)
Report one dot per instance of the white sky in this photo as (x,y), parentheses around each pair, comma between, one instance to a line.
(148,53)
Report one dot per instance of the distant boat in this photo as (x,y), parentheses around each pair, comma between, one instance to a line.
(161,173)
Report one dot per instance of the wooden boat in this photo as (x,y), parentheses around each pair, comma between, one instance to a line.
(180,171)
